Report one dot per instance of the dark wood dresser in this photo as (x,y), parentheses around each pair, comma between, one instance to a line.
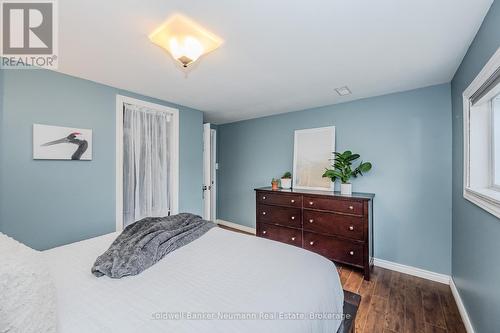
(338,227)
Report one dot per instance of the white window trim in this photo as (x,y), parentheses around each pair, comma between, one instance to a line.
(487,198)
(493,155)
(120,100)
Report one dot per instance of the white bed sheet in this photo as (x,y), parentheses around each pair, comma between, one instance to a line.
(221,274)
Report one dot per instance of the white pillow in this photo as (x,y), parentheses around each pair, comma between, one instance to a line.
(27,292)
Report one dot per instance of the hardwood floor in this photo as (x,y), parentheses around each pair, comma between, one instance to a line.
(393,302)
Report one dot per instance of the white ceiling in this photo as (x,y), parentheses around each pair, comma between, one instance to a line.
(278,55)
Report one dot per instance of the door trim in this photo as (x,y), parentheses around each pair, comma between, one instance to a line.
(213,168)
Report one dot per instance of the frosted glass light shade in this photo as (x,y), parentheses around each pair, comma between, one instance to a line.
(185,40)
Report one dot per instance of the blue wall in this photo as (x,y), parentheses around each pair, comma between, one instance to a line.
(476,233)
(49,203)
(407,136)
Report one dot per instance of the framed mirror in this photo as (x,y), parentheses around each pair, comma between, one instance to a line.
(312,153)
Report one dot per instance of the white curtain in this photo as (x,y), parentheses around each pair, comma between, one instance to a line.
(146,163)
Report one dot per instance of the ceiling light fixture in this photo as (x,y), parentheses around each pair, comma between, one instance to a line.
(343,91)
(185,40)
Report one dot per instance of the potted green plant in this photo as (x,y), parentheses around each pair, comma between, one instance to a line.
(275,184)
(342,169)
(286,180)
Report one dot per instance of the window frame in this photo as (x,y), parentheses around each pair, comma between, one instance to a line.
(487,198)
(493,175)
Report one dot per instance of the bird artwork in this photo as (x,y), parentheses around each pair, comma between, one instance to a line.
(73,138)
(69,143)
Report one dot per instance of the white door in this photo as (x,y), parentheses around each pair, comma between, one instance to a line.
(209,173)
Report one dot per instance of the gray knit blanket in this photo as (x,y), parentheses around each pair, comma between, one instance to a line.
(145,242)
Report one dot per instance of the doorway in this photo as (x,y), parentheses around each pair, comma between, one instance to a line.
(147,160)
(209,172)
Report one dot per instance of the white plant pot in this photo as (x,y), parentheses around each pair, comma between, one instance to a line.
(346,189)
(286,183)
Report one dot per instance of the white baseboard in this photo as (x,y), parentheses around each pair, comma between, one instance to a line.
(461,307)
(437,277)
(236,226)
(422,273)
(410,270)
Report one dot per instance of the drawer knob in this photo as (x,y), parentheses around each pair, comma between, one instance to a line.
(264,232)
(293,238)
(351,253)
(351,227)
(292,201)
(351,207)
(293,217)
(263,213)
(311,243)
(311,203)
(311,220)
(264,198)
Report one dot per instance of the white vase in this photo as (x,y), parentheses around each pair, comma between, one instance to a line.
(286,183)
(346,189)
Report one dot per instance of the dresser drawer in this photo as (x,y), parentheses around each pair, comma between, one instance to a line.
(335,249)
(280,199)
(285,216)
(333,224)
(280,234)
(334,205)
(338,227)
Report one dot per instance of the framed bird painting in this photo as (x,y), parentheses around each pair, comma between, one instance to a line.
(61,143)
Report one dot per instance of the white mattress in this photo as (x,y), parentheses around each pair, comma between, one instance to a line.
(220,274)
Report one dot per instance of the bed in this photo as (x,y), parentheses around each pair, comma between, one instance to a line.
(222,282)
